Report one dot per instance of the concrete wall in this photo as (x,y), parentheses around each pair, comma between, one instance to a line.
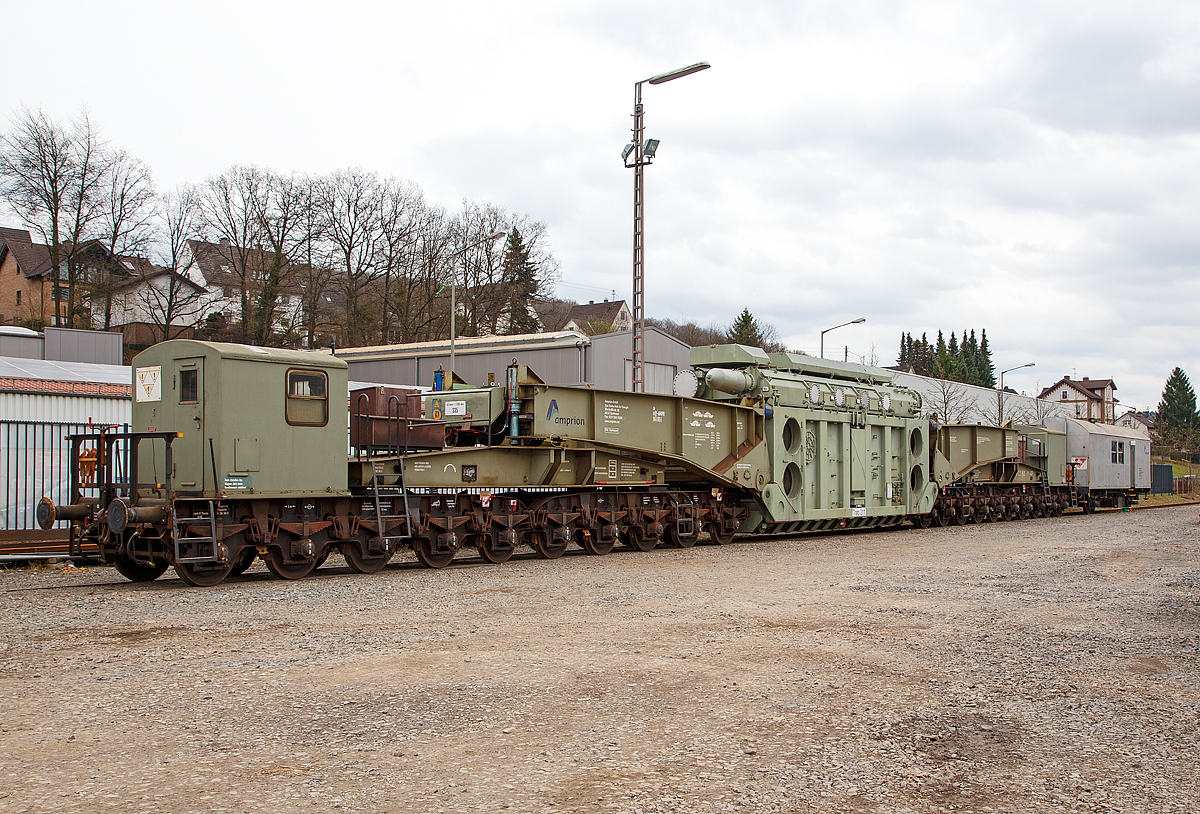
(92,347)
(66,345)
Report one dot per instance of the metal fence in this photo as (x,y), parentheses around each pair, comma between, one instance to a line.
(1162,481)
(35,456)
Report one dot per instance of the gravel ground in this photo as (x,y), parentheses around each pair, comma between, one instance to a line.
(1043,666)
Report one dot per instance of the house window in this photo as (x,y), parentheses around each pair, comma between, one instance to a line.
(189,386)
(1078,409)
(307,398)
(1064,395)
(18,298)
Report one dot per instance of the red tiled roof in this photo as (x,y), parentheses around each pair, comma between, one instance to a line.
(15,385)
(595,311)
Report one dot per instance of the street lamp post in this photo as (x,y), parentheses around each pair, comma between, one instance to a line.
(1000,393)
(858,321)
(499,233)
(642,154)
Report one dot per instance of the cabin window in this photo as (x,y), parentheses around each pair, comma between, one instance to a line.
(1118,452)
(307,398)
(189,386)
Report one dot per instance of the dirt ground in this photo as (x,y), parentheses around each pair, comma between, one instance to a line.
(1047,665)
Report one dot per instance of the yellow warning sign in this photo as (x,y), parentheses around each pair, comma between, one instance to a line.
(147,383)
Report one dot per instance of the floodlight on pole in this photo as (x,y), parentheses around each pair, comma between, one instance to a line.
(642,150)
(858,321)
(1000,392)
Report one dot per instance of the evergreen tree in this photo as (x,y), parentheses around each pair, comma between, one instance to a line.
(967,360)
(745,330)
(987,373)
(520,275)
(1177,410)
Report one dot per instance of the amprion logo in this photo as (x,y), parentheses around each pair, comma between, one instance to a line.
(552,415)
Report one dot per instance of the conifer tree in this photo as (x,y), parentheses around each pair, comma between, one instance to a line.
(1177,409)
(520,274)
(745,330)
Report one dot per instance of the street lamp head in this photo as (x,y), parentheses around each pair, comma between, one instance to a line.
(651,147)
(859,321)
(1031,364)
(496,235)
(669,75)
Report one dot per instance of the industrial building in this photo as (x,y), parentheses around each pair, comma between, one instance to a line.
(564,357)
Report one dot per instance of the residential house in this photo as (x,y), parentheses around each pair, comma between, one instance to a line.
(1088,399)
(156,303)
(220,266)
(1137,419)
(28,293)
(599,317)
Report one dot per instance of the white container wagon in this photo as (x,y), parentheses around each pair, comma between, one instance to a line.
(1111,463)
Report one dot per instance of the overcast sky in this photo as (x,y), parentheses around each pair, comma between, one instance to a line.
(1032,168)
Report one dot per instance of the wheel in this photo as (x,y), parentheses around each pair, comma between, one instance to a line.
(287,570)
(1011,512)
(672,537)
(543,546)
(1039,509)
(245,561)
(591,542)
(1056,509)
(1023,510)
(922,521)
(490,550)
(638,540)
(959,518)
(719,536)
(204,575)
(362,563)
(135,571)
(428,555)
(985,512)
(1088,505)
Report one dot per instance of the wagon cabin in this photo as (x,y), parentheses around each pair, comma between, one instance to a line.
(251,420)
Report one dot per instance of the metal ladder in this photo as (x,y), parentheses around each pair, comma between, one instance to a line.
(385,541)
(685,526)
(211,539)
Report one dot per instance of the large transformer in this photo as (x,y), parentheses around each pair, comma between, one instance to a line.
(846,448)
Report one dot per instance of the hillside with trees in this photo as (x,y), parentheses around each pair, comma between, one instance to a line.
(254,255)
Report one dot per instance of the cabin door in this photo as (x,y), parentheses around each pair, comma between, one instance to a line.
(190,451)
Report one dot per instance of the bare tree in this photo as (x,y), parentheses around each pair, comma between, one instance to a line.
(51,176)
(282,210)
(401,211)
(351,202)
(949,402)
(690,332)
(125,224)
(313,274)
(230,204)
(169,294)
(420,314)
